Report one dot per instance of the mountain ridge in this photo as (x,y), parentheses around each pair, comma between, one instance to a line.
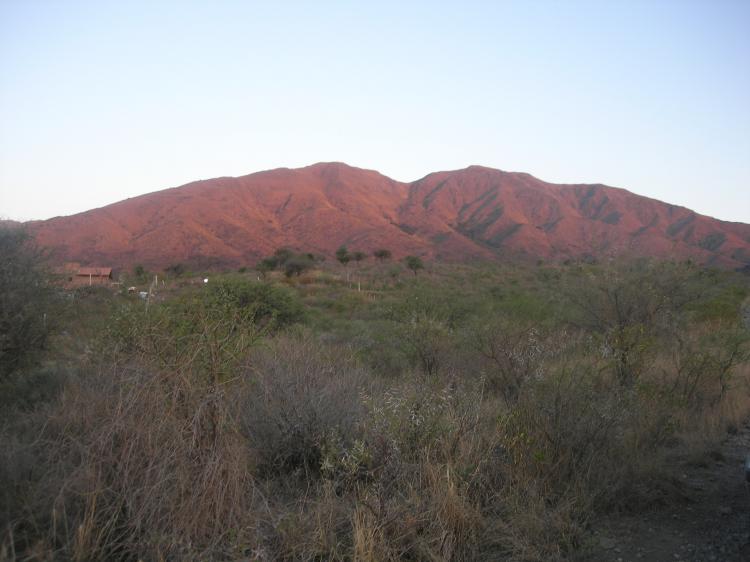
(472,213)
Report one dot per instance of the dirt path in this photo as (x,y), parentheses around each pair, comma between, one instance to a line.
(713,523)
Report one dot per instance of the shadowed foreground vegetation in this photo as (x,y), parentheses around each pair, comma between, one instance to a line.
(469,413)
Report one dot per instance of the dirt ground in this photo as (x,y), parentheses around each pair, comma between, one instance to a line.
(711,524)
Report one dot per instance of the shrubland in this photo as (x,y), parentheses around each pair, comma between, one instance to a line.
(24,294)
(359,412)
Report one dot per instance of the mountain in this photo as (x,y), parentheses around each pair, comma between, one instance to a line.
(474,213)
(6,223)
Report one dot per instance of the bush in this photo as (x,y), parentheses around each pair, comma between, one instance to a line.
(213,435)
(513,353)
(414,263)
(628,307)
(197,337)
(269,306)
(25,297)
(143,458)
(426,341)
(701,363)
(297,265)
(434,474)
(343,255)
(382,254)
(33,386)
(140,274)
(130,464)
(176,270)
(304,397)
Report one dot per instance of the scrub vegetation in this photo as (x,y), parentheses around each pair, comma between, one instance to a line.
(358,412)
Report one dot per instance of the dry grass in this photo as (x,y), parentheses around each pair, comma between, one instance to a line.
(298,396)
(303,454)
(139,463)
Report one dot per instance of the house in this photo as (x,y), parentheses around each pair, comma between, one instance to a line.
(77,276)
(93,276)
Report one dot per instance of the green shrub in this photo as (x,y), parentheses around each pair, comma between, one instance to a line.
(382,254)
(270,306)
(198,335)
(414,263)
(176,270)
(25,299)
(426,340)
(27,389)
(212,434)
(297,265)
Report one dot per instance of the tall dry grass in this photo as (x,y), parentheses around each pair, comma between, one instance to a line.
(137,463)
(303,454)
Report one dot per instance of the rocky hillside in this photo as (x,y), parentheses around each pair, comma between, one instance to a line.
(472,213)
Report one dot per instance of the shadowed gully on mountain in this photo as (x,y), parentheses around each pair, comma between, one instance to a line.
(474,213)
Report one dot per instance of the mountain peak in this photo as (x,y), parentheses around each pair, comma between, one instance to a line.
(475,212)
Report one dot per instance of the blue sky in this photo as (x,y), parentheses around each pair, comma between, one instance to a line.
(100,101)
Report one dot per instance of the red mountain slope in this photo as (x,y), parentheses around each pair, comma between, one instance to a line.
(472,213)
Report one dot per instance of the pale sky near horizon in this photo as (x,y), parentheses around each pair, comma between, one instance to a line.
(104,100)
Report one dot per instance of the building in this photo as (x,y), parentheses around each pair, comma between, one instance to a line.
(76,276)
(93,276)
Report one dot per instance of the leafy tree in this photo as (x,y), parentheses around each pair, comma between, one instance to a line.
(414,263)
(297,265)
(266,265)
(24,299)
(382,254)
(343,255)
(175,270)
(282,255)
(291,263)
(359,256)
(140,273)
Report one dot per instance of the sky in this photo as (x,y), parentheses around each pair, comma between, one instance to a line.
(104,100)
